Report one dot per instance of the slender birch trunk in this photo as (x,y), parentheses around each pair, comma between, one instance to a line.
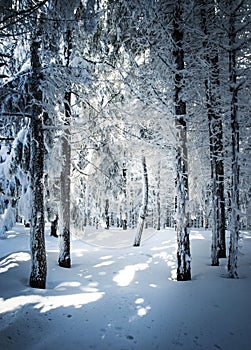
(143,209)
(183,252)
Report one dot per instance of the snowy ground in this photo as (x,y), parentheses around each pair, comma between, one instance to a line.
(119,297)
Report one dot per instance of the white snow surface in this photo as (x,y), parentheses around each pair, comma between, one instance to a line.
(120,297)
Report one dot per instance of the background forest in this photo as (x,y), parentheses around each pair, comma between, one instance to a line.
(125,114)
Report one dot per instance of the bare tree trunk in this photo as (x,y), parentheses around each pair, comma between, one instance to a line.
(212,85)
(38,254)
(183,252)
(64,259)
(143,209)
(107,218)
(54,226)
(234,225)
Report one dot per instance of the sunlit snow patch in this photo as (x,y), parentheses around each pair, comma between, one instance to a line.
(12,261)
(46,303)
(142,311)
(104,263)
(63,285)
(75,300)
(125,276)
(139,301)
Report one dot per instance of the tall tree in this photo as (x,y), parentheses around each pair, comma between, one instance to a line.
(38,254)
(183,252)
(64,259)
(213,104)
(25,99)
(234,226)
(124,200)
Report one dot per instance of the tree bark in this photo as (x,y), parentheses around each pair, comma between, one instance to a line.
(124,206)
(54,226)
(183,252)
(107,218)
(234,225)
(38,254)
(143,209)
(64,259)
(212,85)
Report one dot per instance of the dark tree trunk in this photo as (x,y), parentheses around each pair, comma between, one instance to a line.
(183,252)
(143,209)
(212,85)
(64,259)
(124,207)
(54,226)
(38,254)
(234,225)
(107,218)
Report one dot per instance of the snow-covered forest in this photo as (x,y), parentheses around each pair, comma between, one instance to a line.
(125,114)
(128,121)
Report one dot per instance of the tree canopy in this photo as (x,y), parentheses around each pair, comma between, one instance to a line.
(90,90)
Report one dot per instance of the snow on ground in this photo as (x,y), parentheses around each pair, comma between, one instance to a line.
(120,297)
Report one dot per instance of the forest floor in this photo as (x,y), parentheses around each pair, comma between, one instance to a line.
(120,297)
